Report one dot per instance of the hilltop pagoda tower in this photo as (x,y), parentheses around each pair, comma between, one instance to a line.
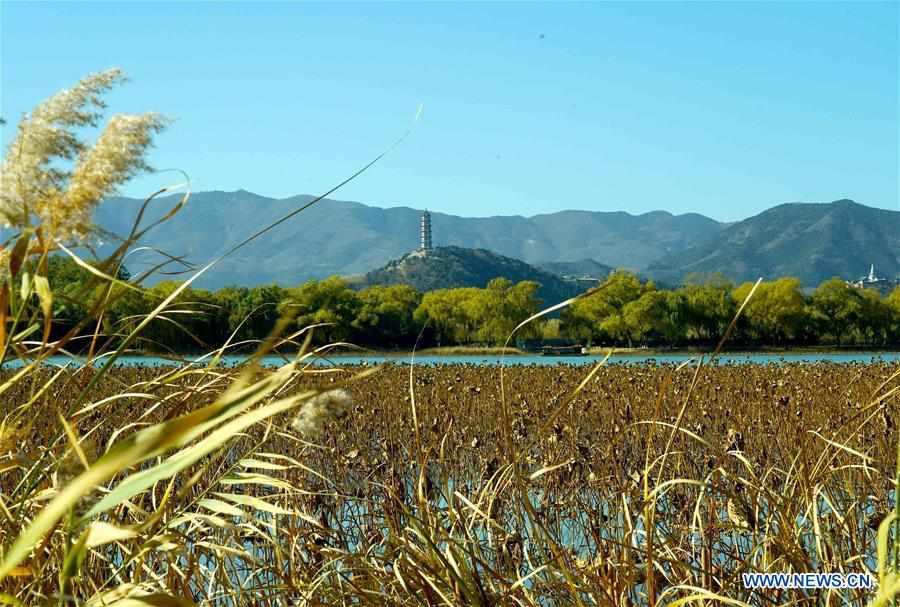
(425,232)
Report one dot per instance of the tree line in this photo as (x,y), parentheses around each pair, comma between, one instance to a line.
(625,311)
(628,311)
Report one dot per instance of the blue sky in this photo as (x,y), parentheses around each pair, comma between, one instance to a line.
(724,108)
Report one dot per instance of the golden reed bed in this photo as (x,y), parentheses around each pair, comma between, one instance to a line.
(544,501)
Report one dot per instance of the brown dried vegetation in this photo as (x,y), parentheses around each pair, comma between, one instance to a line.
(774,468)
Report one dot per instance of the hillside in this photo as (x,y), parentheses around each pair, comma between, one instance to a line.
(336,237)
(449,267)
(813,242)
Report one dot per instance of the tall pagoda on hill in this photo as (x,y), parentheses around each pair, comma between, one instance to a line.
(425,232)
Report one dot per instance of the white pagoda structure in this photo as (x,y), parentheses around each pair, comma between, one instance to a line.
(873,281)
(425,232)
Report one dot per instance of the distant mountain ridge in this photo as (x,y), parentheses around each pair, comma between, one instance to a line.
(812,241)
(452,267)
(345,238)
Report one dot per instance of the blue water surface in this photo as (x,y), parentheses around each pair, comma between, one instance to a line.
(754,358)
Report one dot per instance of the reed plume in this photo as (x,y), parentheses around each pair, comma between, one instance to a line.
(52,180)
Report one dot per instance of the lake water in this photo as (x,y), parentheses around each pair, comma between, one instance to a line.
(754,358)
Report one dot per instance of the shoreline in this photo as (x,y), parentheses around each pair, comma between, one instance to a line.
(602,351)
(515,352)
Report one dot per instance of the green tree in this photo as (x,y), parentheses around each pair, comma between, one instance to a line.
(592,317)
(892,303)
(386,315)
(708,307)
(193,320)
(126,311)
(330,302)
(837,308)
(656,316)
(73,292)
(452,314)
(62,271)
(251,313)
(236,309)
(874,324)
(775,314)
(550,329)
(500,307)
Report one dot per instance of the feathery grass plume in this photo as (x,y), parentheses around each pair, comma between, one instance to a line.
(116,157)
(39,186)
(333,404)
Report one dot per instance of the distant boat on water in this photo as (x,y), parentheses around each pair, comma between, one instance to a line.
(553,347)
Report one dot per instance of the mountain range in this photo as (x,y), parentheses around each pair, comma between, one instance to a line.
(812,241)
